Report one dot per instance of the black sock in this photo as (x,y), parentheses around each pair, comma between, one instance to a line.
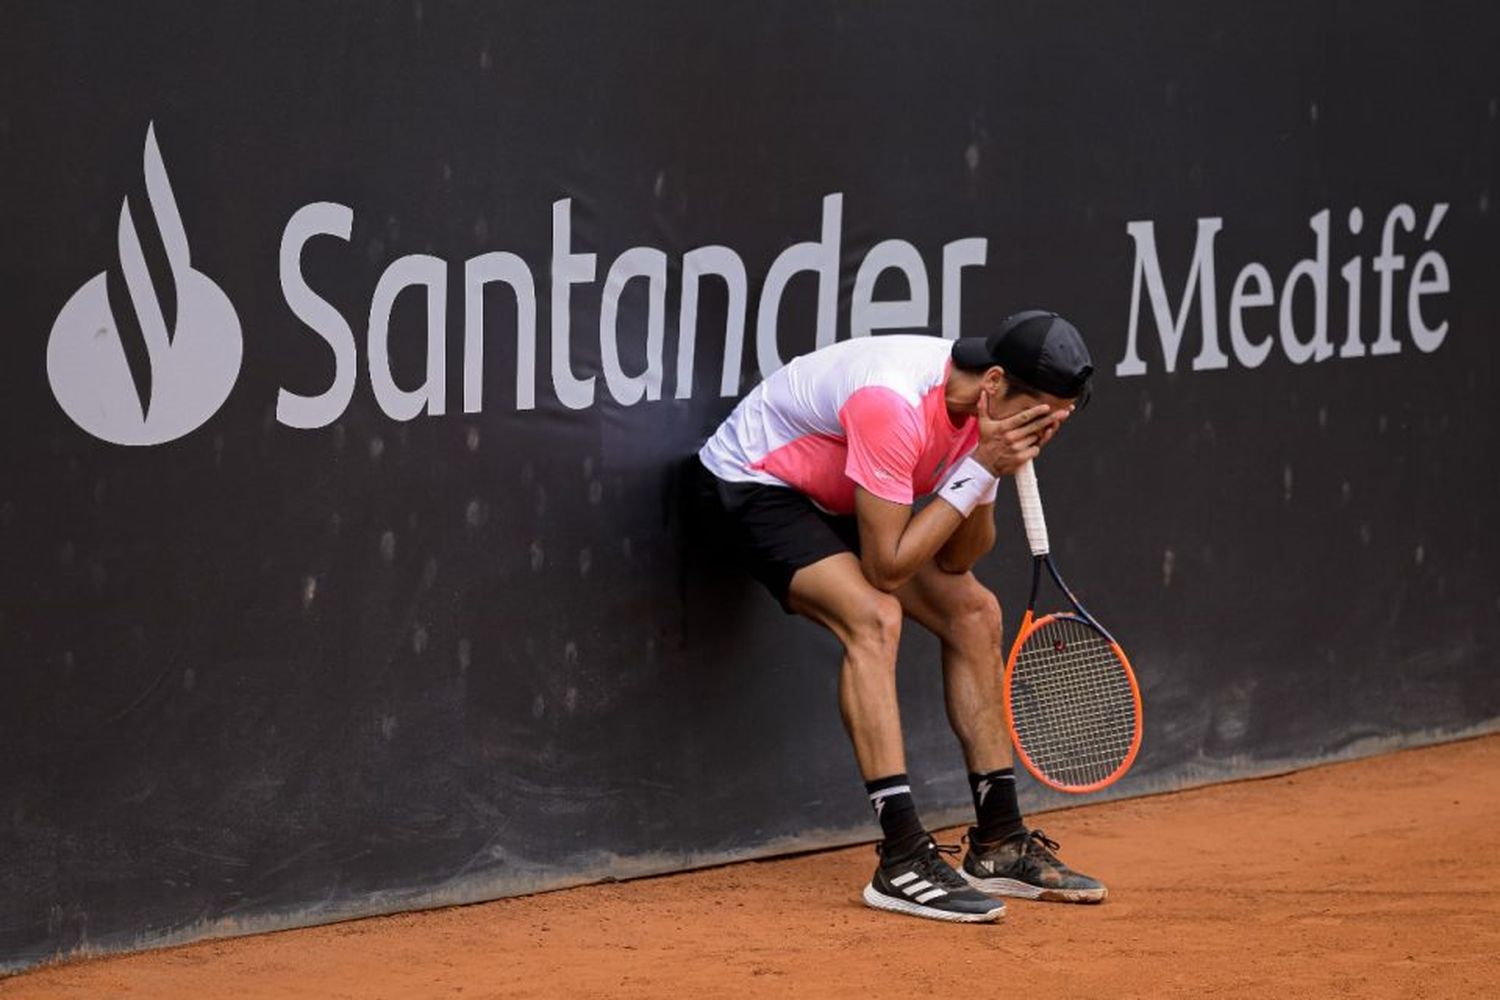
(897,813)
(995,804)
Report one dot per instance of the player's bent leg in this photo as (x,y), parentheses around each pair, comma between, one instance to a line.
(965,616)
(912,876)
(834,593)
(1004,857)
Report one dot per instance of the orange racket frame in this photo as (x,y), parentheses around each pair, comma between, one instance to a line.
(1030,624)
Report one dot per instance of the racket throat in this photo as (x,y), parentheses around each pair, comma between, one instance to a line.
(1036,584)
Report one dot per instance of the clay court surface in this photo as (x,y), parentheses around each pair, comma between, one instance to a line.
(1379,878)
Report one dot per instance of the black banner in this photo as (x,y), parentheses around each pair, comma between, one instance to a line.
(353,353)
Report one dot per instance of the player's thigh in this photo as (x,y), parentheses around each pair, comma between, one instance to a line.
(834,593)
(955,607)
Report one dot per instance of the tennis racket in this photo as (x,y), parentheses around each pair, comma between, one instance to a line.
(1072,704)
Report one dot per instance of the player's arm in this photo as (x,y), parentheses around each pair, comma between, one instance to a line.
(894,543)
(968,544)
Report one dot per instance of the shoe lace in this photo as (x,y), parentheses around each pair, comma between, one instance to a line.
(1038,844)
(935,868)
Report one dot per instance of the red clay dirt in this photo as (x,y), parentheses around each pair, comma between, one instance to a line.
(1379,878)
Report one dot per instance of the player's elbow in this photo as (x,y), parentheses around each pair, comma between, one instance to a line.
(883,577)
(963,558)
(952,563)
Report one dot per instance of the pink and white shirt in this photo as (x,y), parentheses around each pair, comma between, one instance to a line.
(868,411)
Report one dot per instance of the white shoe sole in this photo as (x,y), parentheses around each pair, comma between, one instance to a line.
(1022,890)
(880,901)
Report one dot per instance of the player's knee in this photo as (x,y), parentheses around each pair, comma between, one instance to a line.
(975,616)
(875,626)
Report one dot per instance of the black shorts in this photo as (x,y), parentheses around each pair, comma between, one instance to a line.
(773,531)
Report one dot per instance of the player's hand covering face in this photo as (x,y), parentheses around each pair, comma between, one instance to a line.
(1008,440)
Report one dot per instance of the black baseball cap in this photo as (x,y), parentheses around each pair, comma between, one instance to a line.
(1039,348)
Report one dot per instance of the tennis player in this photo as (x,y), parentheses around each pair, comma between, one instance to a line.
(815,474)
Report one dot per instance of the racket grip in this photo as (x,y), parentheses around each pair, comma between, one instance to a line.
(1030,499)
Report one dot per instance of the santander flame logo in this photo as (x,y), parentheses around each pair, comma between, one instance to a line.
(194,357)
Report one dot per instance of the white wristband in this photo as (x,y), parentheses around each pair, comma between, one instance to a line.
(969,485)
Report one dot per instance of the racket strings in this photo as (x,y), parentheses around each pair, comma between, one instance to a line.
(1072,703)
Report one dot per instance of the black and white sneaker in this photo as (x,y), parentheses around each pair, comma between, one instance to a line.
(1025,866)
(923,884)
